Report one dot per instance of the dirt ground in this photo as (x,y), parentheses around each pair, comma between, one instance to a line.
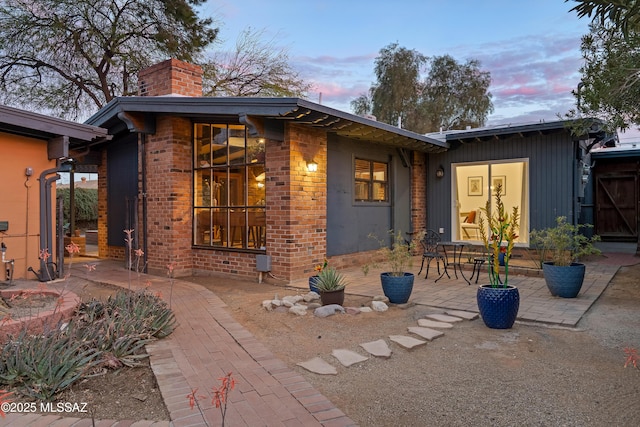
(529,375)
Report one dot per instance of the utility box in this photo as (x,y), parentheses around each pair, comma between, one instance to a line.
(4,225)
(263,263)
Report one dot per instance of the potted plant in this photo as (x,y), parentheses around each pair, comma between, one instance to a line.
(566,244)
(330,284)
(397,283)
(312,280)
(498,302)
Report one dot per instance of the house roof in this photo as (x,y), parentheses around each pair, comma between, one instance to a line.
(114,116)
(504,131)
(34,125)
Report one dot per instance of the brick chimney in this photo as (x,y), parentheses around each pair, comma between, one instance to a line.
(170,77)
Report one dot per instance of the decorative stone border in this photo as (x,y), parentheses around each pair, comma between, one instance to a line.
(37,323)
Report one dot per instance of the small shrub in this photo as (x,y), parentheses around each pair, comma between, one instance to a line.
(42,366)
(101,334)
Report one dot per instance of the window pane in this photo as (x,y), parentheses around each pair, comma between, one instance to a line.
(202,187)
(256,190)
(236,187)
(236,144)
(237,228)
(363,169)
(219,187)
(255,150)
(257,228)
(379,191)
(362,190)
(220,230)
(219,145)
(202,227)
(379,171)
(202,150)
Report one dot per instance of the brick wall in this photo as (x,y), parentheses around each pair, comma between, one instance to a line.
(296,202)
(168,157)
(419,191)
(170,77)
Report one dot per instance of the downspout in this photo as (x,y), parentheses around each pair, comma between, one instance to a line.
(143,160)
(45,219)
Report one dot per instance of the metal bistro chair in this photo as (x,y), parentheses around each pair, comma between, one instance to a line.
(430,243)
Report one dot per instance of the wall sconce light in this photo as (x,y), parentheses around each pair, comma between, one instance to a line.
(312,166)
(260,184)
(440,172)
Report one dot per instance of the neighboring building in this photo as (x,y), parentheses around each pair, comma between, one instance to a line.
(543,168)
(210,183)
(34,149)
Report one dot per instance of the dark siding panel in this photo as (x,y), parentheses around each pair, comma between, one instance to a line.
(348,224)
(551,176)
(122,183)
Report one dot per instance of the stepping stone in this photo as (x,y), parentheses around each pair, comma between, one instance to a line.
(348,357)
(318,366)
(377,348)
(443,318)
(462,314)
(428,323)
(406,342)
(426,333)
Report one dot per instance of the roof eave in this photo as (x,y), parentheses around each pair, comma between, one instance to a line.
(290,109)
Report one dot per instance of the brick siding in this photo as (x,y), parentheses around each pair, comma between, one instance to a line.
(170,77)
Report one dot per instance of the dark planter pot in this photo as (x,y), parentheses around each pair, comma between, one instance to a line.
(312,284)
(498,306)
(332,297)
(397,288)
(501,256)
(564,281)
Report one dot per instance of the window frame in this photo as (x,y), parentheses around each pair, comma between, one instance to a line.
(371,181)
(229,206)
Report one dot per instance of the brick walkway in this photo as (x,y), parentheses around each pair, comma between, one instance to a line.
(209,343)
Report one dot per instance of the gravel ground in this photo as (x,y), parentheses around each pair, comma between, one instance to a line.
(531,375)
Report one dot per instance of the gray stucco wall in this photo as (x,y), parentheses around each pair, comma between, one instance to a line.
(349,223)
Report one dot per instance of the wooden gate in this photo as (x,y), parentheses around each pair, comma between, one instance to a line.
(617,202)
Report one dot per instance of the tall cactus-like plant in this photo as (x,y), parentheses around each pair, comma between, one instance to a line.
(503,228)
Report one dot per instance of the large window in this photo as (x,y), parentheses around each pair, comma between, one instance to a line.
(371,181)
(475,184)
(229,187)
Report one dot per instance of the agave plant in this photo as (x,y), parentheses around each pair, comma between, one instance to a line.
(329,279)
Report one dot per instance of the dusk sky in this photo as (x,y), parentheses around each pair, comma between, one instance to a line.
(530,47)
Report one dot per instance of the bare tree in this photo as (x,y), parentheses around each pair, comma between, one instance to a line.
(254,68)
(73,56)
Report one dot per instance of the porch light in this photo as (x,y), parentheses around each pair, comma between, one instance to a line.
(312,166)
(440,172)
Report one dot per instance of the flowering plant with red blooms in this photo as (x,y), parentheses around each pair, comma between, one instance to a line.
(502,229)
(318,268)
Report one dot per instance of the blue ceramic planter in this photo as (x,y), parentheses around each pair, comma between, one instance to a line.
(564,281)
(312,284)
(498,306)
(397,288)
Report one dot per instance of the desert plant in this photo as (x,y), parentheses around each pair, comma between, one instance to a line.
(565,242)
(158,319)
(502,231)
(330,279)
(42,366)
(399,257)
